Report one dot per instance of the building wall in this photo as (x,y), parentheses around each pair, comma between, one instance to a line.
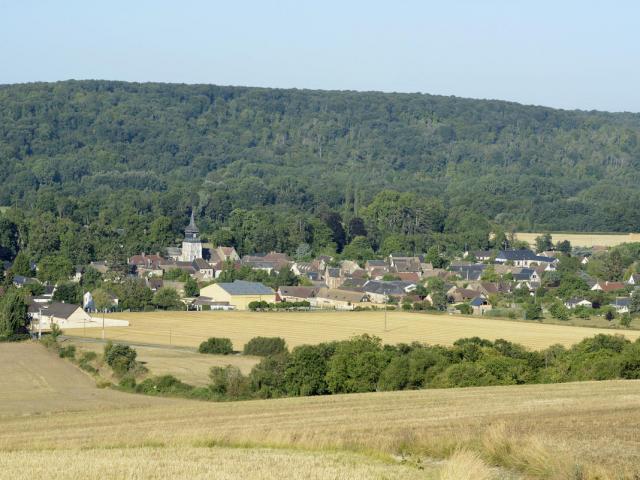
(191,251)
(241,302)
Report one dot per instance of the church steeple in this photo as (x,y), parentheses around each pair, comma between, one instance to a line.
(191,245)
(191,232)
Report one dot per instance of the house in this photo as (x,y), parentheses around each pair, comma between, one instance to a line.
(239,293)
(63,314)
(20,281)
(349,267)
(468,272)
(578,302)
(145,262)
(224,254)
(608,286)
(339,299)
(458,295)
(177,286)
(332,277)
(481,255)
(297,294)
(526,275)
(380,291)
(634,279)
(204,270)
(371,265)
(621,304)
(89,305)
(480,305)
(522,258)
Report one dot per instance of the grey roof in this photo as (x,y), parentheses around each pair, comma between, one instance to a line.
(395,287)
(524,254)
(478,302)
(59,310)
(242,287)
(621,302)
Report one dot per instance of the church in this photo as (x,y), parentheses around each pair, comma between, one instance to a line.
(191,245)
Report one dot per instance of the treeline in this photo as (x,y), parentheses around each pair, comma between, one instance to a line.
(364,364)
(100,169)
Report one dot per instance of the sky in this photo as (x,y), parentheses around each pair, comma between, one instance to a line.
(563,53)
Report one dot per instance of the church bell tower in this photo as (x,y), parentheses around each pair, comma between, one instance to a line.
(191,245)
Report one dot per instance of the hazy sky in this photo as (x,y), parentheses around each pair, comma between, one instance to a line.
(562,53)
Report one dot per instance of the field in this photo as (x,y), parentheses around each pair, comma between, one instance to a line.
(191,328)
(541,431)
(584,239)
(189,366)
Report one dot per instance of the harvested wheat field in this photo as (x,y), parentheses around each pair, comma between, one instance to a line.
(586,240)
(563,431)
(191,328)
(189,366)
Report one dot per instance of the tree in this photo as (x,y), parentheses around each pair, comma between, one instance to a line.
(13,314)
(634,304)
(91,278)
(434,258)
(307,368)
(359,249)
(191,288)
(285,278)
(134,295)
(564,247)
(55,268)
(356,228)
(102,300)
(334,222)
(559,311)
(8,239)
(356,365)
(22,265)
(543,242)
(167,298)
(532,311)
(68,292)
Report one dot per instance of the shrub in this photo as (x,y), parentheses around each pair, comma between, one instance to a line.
(267,378)
(121,358)
(464,308)
(307,368)
(221,346)
(67,352)
(228,381)
(265,346)
(128,382)
(164,385)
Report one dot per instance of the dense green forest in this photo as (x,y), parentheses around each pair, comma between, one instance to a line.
(93,166)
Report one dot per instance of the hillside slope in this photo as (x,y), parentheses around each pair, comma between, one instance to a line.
(235,147)
(543,431)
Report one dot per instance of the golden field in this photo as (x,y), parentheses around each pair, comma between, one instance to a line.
(586,240)
(566,431)
(297,328)
(189,366)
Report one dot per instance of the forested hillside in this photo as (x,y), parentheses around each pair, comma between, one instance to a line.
(91,164)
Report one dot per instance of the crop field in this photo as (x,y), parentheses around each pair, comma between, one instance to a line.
(538,431)
(191,328)
(584,239)
(189,366)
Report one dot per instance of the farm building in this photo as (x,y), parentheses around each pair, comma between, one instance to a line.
(63,314)
(339,299)
(239,293)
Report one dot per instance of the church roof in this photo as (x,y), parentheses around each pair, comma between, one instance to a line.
(192,228)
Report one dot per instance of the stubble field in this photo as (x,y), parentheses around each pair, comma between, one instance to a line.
(584,239)
(536,431)
(191,328)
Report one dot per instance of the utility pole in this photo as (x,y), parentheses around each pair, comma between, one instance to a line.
(103,310)
(39,323)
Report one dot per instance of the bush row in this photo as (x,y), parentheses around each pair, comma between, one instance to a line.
(259,346)
(262,305)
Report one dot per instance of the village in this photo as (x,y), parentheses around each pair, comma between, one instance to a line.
(198,276)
